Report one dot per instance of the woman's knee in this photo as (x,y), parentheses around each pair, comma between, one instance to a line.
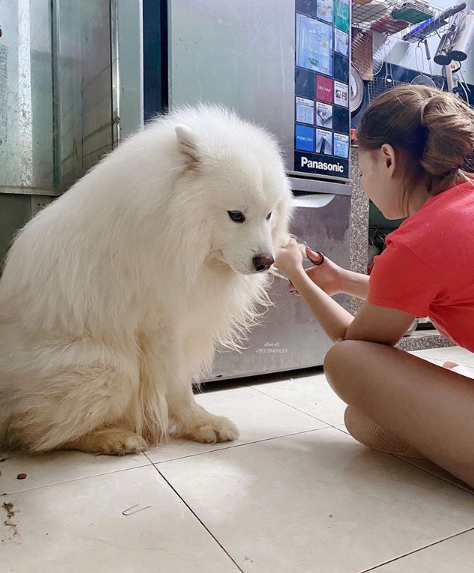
(341,365)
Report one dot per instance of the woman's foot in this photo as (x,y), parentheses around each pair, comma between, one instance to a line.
(370,434)
(463,370)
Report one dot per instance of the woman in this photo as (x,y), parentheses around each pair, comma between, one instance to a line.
(413,142)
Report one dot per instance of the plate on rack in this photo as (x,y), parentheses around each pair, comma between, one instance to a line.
(357,91)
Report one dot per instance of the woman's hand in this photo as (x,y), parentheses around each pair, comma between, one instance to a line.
(289,260)
(328,276)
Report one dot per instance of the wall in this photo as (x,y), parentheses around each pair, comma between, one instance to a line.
(26,122)
(82,86)
(405,54)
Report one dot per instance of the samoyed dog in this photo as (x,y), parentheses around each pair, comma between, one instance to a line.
(114,297)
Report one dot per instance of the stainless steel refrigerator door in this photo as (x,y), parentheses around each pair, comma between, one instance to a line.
(239,54)
(289,338)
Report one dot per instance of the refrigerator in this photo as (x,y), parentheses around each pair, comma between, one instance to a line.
(286,66)
(89,73)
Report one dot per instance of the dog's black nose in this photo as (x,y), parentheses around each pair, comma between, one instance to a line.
(262,262)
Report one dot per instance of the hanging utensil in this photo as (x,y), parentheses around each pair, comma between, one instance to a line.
(422,79)
(388,69)
(437,80)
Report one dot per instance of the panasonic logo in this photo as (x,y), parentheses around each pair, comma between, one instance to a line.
(305,162)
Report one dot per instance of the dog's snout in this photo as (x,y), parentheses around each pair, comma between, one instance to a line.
(262,262)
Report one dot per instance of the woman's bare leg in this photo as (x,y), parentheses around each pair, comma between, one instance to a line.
(429,407)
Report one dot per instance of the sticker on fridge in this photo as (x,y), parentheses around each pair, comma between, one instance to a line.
(341,145)
(341,68)
(324,89)
(341,42)
(341,94)
(341,120)
(304,138)
(306,7)
(314,43)
(341,16)
(304,110)
(324,142)
(305,86)
(324,115)
(325,10)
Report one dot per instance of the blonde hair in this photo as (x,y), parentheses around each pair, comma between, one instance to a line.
(433,130)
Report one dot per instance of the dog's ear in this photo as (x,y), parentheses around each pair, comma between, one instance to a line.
(187,143)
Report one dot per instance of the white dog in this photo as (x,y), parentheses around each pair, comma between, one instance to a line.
(114,297)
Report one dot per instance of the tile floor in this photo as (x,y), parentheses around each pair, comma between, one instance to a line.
(295,494)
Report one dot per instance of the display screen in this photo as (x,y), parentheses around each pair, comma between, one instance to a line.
(322,75)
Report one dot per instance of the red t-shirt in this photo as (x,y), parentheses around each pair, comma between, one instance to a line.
(427,268)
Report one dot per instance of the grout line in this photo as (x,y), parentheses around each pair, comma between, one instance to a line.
(298,409)
(236,446)
(200,520)
(432,474)
(416,550)
(76,479)
(342,428)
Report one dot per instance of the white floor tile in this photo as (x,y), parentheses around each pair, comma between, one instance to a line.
(317,503)
(78,527)
(449,353)
(464,360)
(258,417)
(435,470)
(452,555)
(454,354)
(310,394)
(422,354)
(57,467)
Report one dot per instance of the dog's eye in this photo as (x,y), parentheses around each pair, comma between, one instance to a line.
(268,216)
(236,216)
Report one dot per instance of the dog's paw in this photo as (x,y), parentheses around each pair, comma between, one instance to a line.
(215,429)
(112,442)
(128,443)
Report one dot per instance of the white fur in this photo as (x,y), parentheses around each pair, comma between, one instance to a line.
(114,297)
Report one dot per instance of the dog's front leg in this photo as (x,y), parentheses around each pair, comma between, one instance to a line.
(165,372)
(193,421)
(189,418)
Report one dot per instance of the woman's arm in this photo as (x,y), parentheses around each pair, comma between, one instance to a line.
(334,319)
(355,284)
(332,278)
(372,323)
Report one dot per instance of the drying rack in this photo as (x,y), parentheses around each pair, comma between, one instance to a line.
(376,16)
(372,23)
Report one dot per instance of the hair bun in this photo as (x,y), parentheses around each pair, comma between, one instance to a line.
(449,124)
